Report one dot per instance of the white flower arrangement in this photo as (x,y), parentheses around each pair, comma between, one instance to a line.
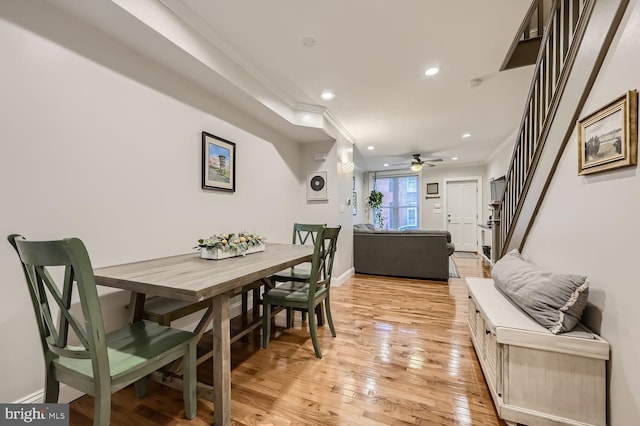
(239,243)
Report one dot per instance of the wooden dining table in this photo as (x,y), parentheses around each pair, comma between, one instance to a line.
(189,278)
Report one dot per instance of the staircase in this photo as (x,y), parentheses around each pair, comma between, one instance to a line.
(526,45)
(575,41)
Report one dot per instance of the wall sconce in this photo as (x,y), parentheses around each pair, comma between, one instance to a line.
(347,166)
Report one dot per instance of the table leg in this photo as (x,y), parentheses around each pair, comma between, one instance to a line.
(221,360)
(319,314)
(136,307)
(136,313)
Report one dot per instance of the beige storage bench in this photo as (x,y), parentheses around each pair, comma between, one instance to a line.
(536,377)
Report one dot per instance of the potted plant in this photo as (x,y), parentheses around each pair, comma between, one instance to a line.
(375,203)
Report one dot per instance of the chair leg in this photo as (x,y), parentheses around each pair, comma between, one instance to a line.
(314,335)
(327,308)
(266,324)
(102,407)
(289,319)
(141,387)
(304,316)
(52,387)
(189,380)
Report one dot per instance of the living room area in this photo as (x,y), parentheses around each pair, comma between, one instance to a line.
(102,140)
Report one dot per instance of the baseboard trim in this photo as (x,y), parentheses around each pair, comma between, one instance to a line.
(67,394)
(338,281)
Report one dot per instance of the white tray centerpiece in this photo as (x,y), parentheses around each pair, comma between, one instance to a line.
(223,246)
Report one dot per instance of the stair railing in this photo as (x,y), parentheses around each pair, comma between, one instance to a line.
(560,41)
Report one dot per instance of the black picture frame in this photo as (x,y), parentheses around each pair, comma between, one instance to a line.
(432,188)
(218,163)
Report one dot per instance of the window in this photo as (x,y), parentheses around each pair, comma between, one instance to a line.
(400,206)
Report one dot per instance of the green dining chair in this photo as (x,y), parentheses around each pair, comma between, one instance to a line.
(303,233)
(101,363)
(306,296)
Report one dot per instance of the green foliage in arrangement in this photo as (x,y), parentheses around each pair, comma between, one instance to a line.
(239,242)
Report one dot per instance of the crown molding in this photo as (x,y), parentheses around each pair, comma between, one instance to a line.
(175,21)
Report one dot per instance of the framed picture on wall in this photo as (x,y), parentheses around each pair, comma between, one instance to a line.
(218,163)
(317,186)
(608,138)
(354,203)
(432,188)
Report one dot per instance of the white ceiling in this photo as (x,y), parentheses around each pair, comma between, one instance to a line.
(371,53)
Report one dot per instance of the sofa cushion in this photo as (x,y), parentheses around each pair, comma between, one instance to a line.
(363,227)
(555,301)
(428,232)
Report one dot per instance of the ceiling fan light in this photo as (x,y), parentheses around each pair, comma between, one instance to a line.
(416,167)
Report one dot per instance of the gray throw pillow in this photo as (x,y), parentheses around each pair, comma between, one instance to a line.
(555,301)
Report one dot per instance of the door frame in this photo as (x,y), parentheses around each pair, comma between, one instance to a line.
(479,213)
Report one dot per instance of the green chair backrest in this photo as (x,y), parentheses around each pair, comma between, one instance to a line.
(303,233)
(323,257)
(36,257)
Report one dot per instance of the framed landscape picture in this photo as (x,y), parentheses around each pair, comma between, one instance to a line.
(218,163)
(608,138)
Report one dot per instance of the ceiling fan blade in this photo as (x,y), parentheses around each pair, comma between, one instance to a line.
(416,159)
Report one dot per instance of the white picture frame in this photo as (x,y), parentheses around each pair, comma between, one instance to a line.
(317,186)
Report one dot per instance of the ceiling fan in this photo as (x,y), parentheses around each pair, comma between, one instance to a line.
(417,163)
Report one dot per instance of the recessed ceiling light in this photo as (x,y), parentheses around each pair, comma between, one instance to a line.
(386,164)
(431,71)
(327,95)
(466,135)
(454,158)
(371,147)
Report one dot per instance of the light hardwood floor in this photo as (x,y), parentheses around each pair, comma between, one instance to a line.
(402,355)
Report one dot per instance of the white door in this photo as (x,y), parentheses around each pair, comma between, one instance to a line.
(462,214)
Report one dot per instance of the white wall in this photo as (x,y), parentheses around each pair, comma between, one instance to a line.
(87,151)
(334,211)
(433,219)
(343,267)
(498,165)
(589,225)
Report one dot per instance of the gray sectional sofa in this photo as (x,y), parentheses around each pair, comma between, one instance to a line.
(410,253)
